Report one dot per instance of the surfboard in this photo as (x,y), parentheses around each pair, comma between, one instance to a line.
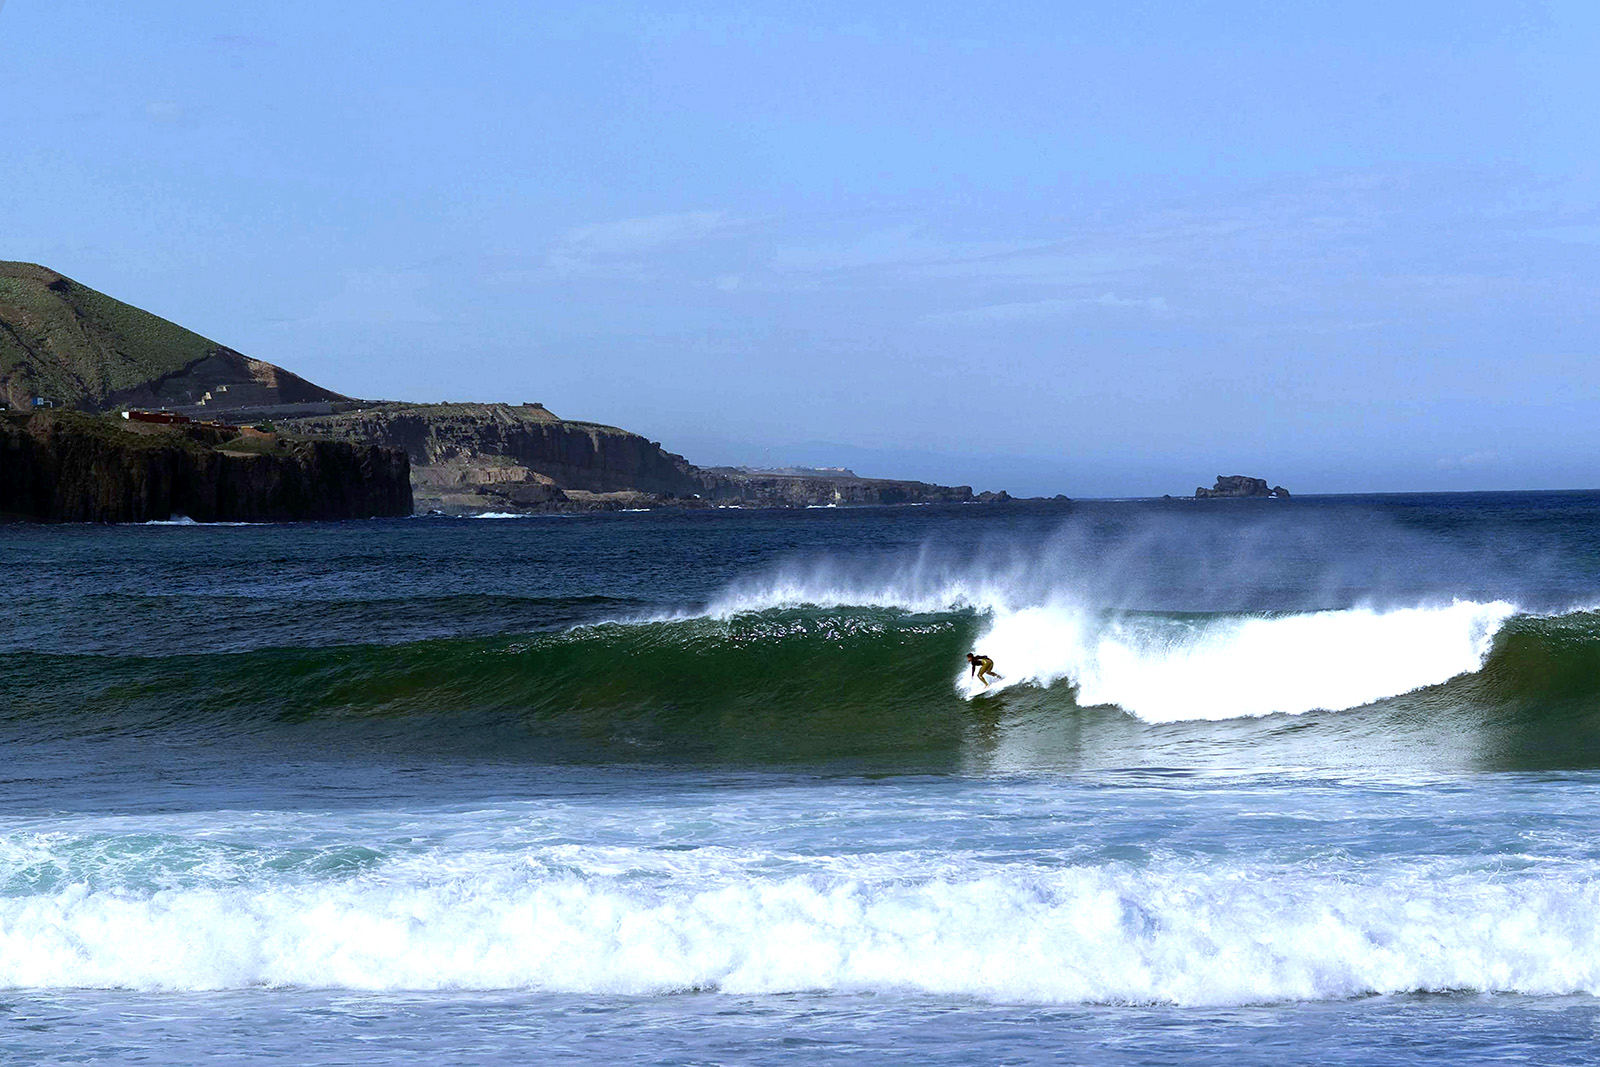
(970,687)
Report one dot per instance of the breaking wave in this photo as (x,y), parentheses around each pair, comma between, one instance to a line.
(590,919)
(873,682)
(1169,667)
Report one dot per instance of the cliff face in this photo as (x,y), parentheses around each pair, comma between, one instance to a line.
(64,467)
(523,453)
(768,489)
(78,348)
(499,457)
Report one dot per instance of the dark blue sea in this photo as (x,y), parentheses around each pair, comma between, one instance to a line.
(1263,782)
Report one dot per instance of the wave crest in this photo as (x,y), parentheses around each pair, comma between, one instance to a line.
(1166,669)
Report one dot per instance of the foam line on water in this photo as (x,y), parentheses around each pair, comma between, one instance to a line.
(1172,932)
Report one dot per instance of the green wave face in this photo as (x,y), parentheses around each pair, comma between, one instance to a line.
(868,688)
(1536,702)
(775,686)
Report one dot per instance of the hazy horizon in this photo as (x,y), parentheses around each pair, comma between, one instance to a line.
(1111,251)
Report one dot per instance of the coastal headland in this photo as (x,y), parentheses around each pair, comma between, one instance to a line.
(66,466)
(471,458)
(67,348)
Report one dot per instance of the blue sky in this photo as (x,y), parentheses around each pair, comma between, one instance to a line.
(1096,248)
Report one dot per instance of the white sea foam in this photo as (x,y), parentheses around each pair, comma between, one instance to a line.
(622,921)
(184,520)
(1165,669)
(521,515)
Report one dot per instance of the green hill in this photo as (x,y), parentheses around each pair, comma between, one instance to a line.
(79,348)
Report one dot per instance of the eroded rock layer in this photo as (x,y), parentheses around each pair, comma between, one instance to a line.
(520,452)
(68,467)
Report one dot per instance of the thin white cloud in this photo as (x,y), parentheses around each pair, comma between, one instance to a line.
(1575,234)
(1469,461)
(238,40)
(1042,310)
(168,113)
(377,296)
(624,246)
(1058,265)
(894,248)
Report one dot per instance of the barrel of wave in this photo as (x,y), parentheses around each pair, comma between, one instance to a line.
(1172,669)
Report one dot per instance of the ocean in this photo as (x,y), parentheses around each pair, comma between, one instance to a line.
(1263,782)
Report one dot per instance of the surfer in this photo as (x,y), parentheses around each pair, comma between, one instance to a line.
(982,666)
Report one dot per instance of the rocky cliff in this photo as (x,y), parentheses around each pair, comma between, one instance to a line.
(501,457)
(477,456)
(774,489)
(67,467)
(69,346)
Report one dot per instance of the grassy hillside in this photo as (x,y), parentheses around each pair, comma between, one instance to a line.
(81,348)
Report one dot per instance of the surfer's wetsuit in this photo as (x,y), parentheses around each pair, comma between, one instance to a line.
(982,666)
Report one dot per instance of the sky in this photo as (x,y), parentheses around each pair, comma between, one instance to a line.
(1098,248)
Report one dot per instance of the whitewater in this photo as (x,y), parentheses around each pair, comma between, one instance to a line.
(1042,902)
(718,788)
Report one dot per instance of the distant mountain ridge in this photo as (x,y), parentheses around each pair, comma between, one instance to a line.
(74,347)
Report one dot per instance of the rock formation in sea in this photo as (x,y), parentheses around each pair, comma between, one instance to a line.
(72,467)
(1240,485)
